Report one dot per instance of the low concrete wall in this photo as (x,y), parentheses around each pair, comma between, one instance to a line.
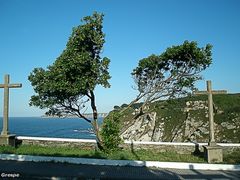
(181,148)
(52,142)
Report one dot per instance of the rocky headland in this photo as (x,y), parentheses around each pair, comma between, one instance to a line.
(183,120)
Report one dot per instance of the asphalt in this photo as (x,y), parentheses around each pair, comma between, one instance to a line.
(51,170)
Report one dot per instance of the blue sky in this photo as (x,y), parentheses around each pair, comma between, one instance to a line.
(33,33)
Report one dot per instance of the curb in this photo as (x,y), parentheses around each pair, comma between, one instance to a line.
(101,162)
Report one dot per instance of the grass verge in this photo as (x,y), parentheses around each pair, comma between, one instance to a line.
(142,155)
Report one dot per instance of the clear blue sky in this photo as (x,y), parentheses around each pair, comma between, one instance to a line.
(33,33)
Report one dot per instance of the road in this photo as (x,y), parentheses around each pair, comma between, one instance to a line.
(51,170)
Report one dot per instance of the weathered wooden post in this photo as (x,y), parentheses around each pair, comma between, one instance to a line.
(213,153)
(5,137)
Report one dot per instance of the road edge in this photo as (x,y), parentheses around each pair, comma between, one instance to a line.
(89,161)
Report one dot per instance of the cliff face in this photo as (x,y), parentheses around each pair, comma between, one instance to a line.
(183,120)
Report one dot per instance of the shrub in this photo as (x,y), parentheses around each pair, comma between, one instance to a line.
(124,105)
(116,107)
(110,132)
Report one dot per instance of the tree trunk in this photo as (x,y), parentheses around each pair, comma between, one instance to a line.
(131,103)
(95,121)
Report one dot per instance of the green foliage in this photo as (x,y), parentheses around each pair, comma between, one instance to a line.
(124,105)
(171,114)
(171,73)
(233,157)
(116,107)
(110,132)
(50,151)
(142,154)
(68,84)
(171,111)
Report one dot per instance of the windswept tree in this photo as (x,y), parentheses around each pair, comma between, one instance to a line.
(172,73)
(67,86)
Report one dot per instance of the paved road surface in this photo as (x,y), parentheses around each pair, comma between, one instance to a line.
(47,170)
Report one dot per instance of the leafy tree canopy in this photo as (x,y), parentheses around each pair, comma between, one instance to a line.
(67,85)
(171,73)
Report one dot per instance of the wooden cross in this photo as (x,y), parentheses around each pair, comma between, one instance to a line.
(6,87)
(210,92)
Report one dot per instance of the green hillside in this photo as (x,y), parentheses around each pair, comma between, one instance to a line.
(184,119)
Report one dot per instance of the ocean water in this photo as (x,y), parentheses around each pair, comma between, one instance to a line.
(50,127)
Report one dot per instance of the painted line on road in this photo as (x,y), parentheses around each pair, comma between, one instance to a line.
(87,161)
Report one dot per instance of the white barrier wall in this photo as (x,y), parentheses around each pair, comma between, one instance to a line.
(182,148)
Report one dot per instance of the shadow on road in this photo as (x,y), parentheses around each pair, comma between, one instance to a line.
(51,170)
(192,173)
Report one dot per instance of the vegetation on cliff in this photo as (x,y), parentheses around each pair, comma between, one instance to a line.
(183,119)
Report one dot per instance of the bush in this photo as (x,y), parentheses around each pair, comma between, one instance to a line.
(124,105)
(116,107)
(110,132)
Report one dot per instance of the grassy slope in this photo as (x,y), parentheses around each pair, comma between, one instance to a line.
(174,117)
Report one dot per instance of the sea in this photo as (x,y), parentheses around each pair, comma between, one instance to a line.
(75,128)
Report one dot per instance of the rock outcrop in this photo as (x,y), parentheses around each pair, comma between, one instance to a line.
(186,121)
(142,128)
